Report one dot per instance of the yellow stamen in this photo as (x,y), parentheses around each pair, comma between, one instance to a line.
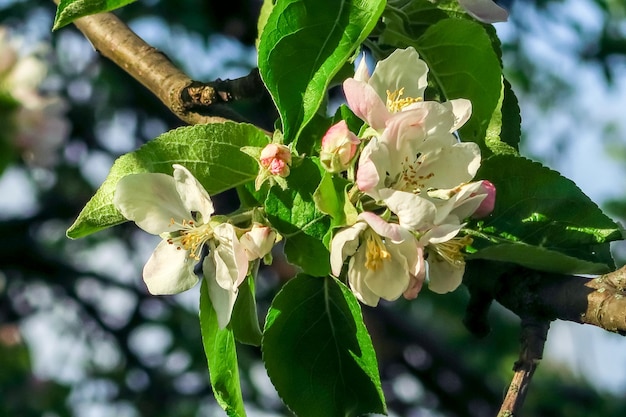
(450,251)
(395,101)
(376,252)
(190,237)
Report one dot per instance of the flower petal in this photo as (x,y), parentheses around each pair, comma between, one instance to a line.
(381,227)
(150,200)
(444,277)
(169,270)
(462,110)
(366,103)
(192,193)
(401,69)
(344,244)
(230,257)
(223,300)
(357,273)
(414,212)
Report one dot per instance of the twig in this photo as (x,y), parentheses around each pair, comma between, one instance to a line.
(115,40)
(534,334)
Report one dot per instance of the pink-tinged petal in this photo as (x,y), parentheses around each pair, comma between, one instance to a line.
(223,300)
(192,193)
(151,201)
(381,227)
(485,10)
(345,243)
(462,110)
(258,241)
(401,69)
(414,212)
(443,276)
(362,72)
(403,135)
(169,270)
(488,203)
(417,273)
(367,176)
(365,103)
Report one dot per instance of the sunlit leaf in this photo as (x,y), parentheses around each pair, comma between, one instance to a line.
(303,45)
(542,220)
(211,152)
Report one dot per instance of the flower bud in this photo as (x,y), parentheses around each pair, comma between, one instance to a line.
(339,146)
(276,159)
(487,205)
(258,241)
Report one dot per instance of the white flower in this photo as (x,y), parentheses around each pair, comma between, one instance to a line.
(385,259)
(485,10)
(415,155)
(397,82)
(179,209)
(438,218)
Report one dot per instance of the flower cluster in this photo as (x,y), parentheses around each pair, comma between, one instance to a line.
(37,126)
(415,182)
(180,211)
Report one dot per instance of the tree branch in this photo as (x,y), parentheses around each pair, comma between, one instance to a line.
(599,301)
(189,100)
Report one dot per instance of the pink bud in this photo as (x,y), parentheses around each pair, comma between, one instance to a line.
(487,205)
(339,146)
(276,158)
(258,241)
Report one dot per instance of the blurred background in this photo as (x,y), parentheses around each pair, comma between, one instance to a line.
(80,336)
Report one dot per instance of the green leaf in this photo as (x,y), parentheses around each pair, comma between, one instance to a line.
(331,198)
(318,353)
(70,10)
(245,321)
(303,45)
(542,215)
(540,258)
(407,20)
(504,131)
(464,64)
(293,210)
(309,253)
(211,152)
(294,214)
(219,347)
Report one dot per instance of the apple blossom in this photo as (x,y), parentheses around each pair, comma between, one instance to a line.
(407,159)
(37,124)
(179,209)
(397,82)
(339,146)
(385,259)
(437,217)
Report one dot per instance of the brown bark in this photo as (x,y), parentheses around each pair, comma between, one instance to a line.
(191,101)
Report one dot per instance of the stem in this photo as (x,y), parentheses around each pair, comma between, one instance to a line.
(534,334)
